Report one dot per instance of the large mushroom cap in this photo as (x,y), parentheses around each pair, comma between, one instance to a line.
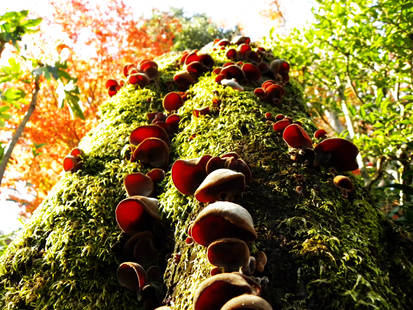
(295,136)
(220,184)
(152,151)
(131,275)
(172,101)
(215,291)
(148,131)
(247,301)
(223,219)
(138,184)
(136,213)
(229,253)
(340,153)
(188,174)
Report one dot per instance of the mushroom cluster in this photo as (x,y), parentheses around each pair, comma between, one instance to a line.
(73,161)
(141,74)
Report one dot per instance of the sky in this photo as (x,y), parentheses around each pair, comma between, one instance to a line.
(228,13)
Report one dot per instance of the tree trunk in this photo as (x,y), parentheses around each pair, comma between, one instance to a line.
(17,134)
(325,250)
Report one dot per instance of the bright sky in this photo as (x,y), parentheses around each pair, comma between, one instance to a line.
(224,12)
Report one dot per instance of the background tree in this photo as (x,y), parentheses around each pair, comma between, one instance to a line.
(355,66)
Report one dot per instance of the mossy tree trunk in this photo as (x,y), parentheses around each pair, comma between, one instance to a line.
(325,251)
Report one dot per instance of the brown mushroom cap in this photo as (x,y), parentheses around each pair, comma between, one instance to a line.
(131,275)
(215,291)
(152,151)
(229,253)
(138,184)
(140,247)
(295,136)
(223,219)
(233,72)
(220,184)
(188,174)
(136,213)
(247,301)
(148,131)
(183,80)
(338,153)
(343,182)
(261,261)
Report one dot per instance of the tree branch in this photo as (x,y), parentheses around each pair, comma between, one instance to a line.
(17,134)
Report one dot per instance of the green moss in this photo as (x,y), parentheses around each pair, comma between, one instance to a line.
(325,251)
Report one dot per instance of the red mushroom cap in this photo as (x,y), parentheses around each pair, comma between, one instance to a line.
(139,78)
(260,93)
(233,71)
(183,80)
(127,69)
(223,42)
(138,184)
(196,68)
(240,40)
(136,213)
(206,59)
(232,53)
(173,122)
(152,151)
(320,134)
(215,163)
(267,84)
(111,82)
(279,66)
(274,92)
(148,131)
(341,153)
(295,136)
(220,184)
(193,56)
(244,49)
(281,124)
(251,71)
(215,291)
(223,219)
(156,174)
(76,152)
(172,101)
(72,163)
(131,275)
(187,175)
(149,67)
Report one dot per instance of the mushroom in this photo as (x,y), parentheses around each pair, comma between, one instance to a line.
(215,291)
(136,213)
(251,72)
(247,301)
(128,68)
(76,152)
(172,101)
(244,49)
(233,72)
(280,125)
(149,67)
(229,253)
(188,174)
(152,151)
(131,275)
(320,134)
(140,247)
(183,80)
(156,174)
(274,92)
(148,131)
(172,122)
(220,184)
(196,68)
(295,136)
(240,40)
(138,184)
(138,78)
(72,163)
(232,53)
(222,219)
(344,183)
(338,153)
(261,261)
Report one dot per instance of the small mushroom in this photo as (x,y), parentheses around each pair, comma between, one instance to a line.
(72,163)
(344,183)
(233,72)
(320,134)
(280,125)
(215,291)
(152,151)
(172,122)
(138,78)
(131,275)
(222,219)
(251,72)
(172,101)
(247,301)
(221,184)
(76,152)
(229,253)
(196,68)
(188,174)
(240,40)
(261,259)
(244,49)
(338,153)
(128,68)
(140,247)
(149,67)
(295,136)
(136,213)
(148,131)
(156,174)
(183,80)
(138,184)
(232,53)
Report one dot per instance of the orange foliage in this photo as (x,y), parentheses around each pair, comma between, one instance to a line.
(273,12)
(97,40)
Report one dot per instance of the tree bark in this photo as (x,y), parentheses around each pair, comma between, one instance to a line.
(325,250)
(19,130)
